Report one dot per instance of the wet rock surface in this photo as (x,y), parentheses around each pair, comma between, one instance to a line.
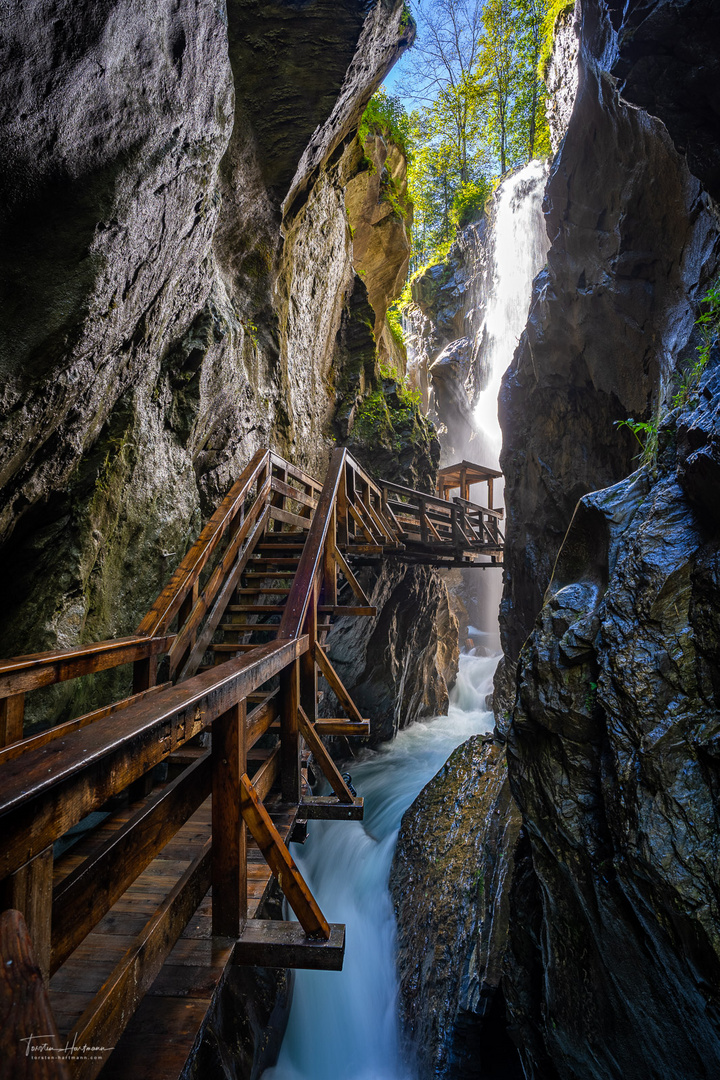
(611,754)
(633,239)
(399,666)
(449,886)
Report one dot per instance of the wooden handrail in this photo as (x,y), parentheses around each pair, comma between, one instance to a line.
(171,598)
(31,672)
(311,560)
(49,790)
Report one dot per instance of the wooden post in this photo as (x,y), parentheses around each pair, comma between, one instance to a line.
(29,890)
(290,733)
(490,493)
(25,1008)
(308,669)
(12,711)
(144,674)
(463,484)
(229,841)
(329,564)
(423,521)
(342,510)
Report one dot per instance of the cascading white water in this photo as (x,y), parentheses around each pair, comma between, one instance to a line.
(519,248)
(517,253)
(344,1026)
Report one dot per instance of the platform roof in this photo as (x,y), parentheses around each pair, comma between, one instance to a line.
(450,476)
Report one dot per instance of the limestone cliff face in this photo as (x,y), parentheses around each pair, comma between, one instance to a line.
(179,280)
(611,969)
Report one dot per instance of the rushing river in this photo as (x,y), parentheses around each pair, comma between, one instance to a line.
(344,1025)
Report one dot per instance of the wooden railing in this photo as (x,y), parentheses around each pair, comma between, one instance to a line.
(50,781)
(435,523)
(53,780)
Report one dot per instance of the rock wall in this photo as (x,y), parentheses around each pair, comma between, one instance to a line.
(449,888)
(180,281)
(610,959)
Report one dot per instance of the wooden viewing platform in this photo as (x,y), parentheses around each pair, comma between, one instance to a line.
(137,853)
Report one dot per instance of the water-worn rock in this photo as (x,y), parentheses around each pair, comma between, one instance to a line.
(449,886)
(400,665)
(633,237)
(613,763)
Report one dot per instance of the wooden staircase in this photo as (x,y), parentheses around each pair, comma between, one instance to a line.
(138,842)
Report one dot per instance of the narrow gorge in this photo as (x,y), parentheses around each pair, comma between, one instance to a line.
(498,783)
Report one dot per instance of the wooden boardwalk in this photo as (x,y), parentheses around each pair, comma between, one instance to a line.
(139,842)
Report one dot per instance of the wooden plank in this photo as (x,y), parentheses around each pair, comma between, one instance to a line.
(49,790)
(348,729)
(293,493)
(33,742)
(44,669)
(269,943)
(323,759)
(308,669)
(12,713)
(328,808)
(289,732)
(29,891)
(172,596)
(260,719)
(28,1023)
(107,1016)
(369,532)
(295,472)
(336,684)
(87,893)
(267,774)
(309,566)
(281,863)
(229,848)
(350,577)
(288,518)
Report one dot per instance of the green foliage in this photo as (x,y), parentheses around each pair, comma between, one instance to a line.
(646,433)
(708,323)
(469,201)
(553,13)
(385,115)
(394,319)
(480,109)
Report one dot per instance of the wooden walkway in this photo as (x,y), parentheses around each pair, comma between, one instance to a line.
(137,853)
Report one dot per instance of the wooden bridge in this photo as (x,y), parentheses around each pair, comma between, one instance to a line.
(135,857)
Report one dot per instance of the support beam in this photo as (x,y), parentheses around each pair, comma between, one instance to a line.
(278,858)
(326,763)
(25,1008)
(289,733)
(327,808)
(268,943)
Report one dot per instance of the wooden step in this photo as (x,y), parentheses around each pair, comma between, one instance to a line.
(329,808)
(235,647)
(267,609)
(244,627)
(263,574)
(276,560)
(268,591)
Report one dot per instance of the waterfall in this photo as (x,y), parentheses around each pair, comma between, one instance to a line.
(500,300)
(518,247)
(344,1025)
